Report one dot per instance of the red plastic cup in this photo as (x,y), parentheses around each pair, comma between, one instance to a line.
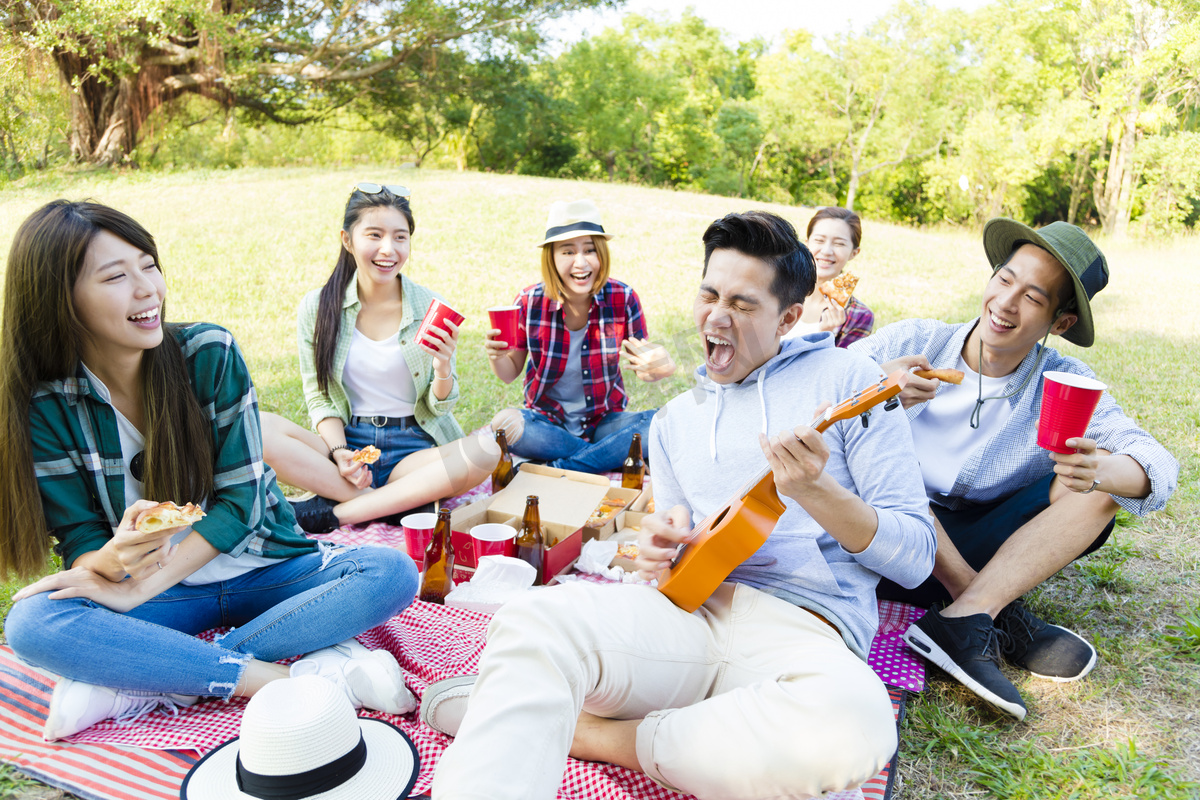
(435,317)
(418,531)
(506,318)
(1068,402)
(493,539)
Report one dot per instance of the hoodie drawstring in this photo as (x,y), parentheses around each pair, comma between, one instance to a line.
(712,435)
(762,405)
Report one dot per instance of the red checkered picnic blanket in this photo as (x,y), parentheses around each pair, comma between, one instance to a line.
(434,642)
(431,643)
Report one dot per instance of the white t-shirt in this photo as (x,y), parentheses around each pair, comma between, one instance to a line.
(377,379)
(942,433)
(221,568)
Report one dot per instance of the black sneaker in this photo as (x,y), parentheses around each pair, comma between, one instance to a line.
(967,649)
(1045,650)
(315,515)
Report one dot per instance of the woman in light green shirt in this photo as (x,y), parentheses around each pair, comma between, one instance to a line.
(368,380)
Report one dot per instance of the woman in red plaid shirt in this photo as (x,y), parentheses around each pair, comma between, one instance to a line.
(834,236)
(573,330)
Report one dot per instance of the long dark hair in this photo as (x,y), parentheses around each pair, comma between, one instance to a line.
(41,341)
(329,308)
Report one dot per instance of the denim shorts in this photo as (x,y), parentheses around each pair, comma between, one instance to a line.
(394,441)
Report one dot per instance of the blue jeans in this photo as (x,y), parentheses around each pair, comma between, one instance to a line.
(296,606)
(393,442)
(543,440)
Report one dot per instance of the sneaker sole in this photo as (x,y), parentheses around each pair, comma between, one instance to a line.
(1059,678)
(431,700)
(916,638)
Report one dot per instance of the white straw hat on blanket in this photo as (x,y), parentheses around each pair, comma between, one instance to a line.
(300,738)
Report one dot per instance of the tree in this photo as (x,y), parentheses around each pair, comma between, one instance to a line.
(866,102)
(288,60)
(1138,66)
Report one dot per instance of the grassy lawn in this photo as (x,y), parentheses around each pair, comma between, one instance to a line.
(240,248)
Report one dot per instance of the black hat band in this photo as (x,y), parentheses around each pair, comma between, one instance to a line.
(587,227)
(304,784)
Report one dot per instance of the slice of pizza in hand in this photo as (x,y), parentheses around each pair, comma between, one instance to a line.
(840,288)
(368,455)
(165,516)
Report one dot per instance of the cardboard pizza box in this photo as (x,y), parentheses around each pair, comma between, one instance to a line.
(603,528)
(565,501)
(638,509)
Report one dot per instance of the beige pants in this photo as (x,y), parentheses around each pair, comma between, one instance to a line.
(749,697)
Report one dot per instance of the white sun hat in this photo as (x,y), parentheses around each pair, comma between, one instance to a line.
(573,219)
(300,738)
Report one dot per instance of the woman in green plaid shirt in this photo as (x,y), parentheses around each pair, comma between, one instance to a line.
(106,409)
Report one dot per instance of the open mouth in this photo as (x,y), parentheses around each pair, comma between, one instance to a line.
(718,353)
(146,319)
(581,278)
(997,322)
(386,266)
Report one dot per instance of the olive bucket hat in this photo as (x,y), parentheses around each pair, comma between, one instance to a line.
(1074,250)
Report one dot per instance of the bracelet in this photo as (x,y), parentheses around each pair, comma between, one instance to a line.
(443,377)
(338,447)
(1092,488)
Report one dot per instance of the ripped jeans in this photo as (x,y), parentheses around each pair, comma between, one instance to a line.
(294,607)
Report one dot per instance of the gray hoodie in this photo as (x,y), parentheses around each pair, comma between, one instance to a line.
(704,446)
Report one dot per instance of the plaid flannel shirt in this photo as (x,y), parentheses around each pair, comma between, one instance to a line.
(1011,460)
(859,322)
(80,470)
(615,315)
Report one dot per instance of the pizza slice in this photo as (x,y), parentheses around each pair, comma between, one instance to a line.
(368,455)
(840,288)
(165,516)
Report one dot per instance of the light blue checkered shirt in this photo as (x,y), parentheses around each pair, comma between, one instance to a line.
(1011,460)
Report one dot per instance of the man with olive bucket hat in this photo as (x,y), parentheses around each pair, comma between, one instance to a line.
(1010,514)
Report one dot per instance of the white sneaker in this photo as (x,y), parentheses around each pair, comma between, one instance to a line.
(445,703)
(77,706)
(370,678)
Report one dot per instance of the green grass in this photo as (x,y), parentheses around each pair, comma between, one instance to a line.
(241,247)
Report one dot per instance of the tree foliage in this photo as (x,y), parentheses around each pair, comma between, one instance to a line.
(288,60)
(1085,110)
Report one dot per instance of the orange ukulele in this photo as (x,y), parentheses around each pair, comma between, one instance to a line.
(733,533)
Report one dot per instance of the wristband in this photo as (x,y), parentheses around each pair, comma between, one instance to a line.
(338,447)
(443,377)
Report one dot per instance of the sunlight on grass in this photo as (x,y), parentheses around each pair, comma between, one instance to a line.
(241,248)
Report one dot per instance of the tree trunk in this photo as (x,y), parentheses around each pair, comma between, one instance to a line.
(1078,178)
(108,110)
(1114,201)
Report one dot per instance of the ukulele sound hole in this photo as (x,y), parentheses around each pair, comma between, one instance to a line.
(717,521)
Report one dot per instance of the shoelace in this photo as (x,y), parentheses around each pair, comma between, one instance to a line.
(1019,627)
(995,641)
(141,706)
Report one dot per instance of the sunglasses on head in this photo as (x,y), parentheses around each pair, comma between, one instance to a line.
(376,188)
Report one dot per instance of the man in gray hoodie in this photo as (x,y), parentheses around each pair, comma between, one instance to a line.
(764,691)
